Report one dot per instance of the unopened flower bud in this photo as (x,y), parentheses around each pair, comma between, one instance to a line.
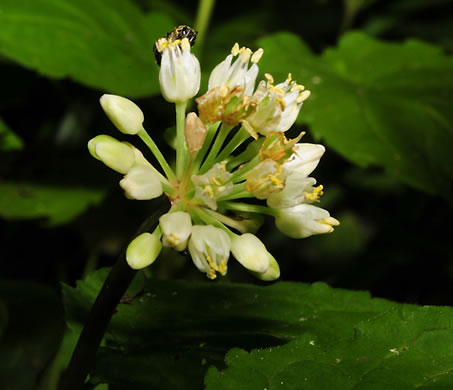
(143,250)
(124,114)
(176,229)
(142,183)
(195,132)
(117,155)
(250,252)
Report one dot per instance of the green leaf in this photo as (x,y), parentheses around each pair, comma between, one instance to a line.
(58,204)
(33,333)
(405,348)
(106,44)
(167,335)
(376,103)
(8,139)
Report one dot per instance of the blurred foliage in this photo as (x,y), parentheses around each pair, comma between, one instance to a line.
(380,72)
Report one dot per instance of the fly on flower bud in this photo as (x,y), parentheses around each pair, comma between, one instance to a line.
(194,132)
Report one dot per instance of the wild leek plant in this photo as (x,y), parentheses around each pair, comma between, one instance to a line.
(230,154)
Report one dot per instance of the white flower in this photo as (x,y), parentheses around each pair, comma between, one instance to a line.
(125,114)
(293,96)
(176,229)
(180,73)
(143,250)
(210,249)
(238,74)
(119,156)
(142,183)
(304,159)
(298,189)
(250,252)
(304,220)
(277,106)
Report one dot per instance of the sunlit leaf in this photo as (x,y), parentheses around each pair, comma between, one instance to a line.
(57,204)
(376,103)
(107,44)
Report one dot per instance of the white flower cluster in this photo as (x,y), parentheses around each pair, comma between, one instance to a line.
(209,214)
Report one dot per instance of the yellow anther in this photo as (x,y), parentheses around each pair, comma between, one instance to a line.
(297,87)
(290,77)
(223,165)
(315,194)
(257,55)
(269,78)
(275,180)
(281,102)
(209,191)
(303,96)
(235,49)
(215,181)
(223,267)
(173,240)
(245,54)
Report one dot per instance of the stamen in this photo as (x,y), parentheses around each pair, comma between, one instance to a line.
(257,55)
(235,49)
(303,96)
(269,78)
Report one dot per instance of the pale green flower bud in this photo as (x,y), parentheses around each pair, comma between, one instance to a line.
(272,273)
(176,228)
(250,252)
(117,155)
(304,220)
(304,159)
(194,132)
(142,183)
(179,74)
(210,249)
(124,114)
(143,250)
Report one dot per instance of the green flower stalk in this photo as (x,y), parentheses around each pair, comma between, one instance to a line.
(210,188)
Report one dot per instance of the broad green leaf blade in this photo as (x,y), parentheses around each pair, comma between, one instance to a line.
(406,348)
(8,139)
(171,330)
(32,335)
(106,44)
(385,104)
(58,204)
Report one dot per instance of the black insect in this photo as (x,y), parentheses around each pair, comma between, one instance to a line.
(180,33)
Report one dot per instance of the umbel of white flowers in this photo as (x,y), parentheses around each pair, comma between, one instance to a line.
(210,215)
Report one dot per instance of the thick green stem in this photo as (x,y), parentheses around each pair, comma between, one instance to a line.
(116,284)
(181,150)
